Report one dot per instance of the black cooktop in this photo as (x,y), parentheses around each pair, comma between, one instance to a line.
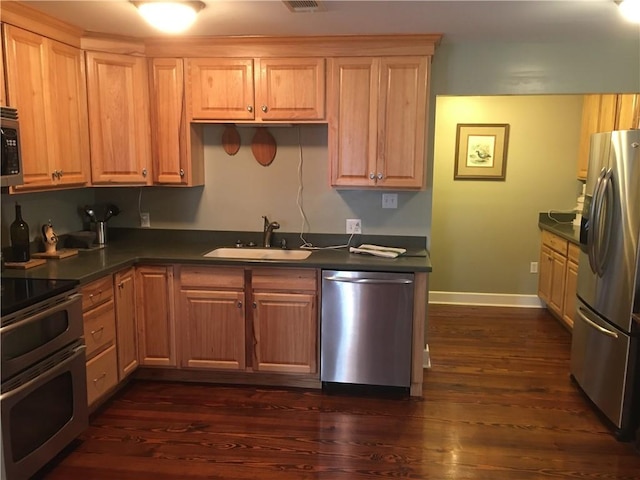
(18,293)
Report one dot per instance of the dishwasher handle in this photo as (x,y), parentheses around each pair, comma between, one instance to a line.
(396,281)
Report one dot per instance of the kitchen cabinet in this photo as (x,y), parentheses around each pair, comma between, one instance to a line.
(177,149)
(155,315)
(285,327)
(277,333)
(604,113)
(377,121)
(260,89)
(212,317)
(558,275)
(52,107)
(126,327)
(3,88)
(119,120)
(100,338)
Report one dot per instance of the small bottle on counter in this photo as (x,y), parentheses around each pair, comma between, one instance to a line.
(19,231)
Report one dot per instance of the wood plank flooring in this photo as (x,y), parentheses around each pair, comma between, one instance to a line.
(498,404)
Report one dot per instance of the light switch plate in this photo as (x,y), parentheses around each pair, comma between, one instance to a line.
(145,220)
(389,200)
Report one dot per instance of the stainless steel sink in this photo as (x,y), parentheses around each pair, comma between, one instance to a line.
(258,253)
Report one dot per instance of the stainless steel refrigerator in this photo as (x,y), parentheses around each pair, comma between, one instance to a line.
(604,350)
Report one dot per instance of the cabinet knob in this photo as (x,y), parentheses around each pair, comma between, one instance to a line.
(379,176)
(60,173)
(372,176)
(249,108)
(121,285)
(144,172)
(255,305)
(264,108)
(182,172)
(239,305)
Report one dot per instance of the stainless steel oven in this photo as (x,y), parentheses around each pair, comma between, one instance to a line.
(43,396)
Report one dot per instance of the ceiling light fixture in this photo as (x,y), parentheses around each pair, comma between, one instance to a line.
(169,17)
(630,10)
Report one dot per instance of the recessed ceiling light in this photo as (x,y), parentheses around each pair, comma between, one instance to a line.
(630,10)
(169,17)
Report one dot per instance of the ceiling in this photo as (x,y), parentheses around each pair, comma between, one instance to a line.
(458,21)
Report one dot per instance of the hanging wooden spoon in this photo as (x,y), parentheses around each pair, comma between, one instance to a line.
(231,140)
(263,146)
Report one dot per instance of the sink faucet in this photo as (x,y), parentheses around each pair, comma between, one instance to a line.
(269,227)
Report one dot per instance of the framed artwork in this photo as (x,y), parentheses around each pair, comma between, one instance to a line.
(481,151)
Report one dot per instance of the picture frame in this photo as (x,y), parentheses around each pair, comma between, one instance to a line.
(481,151)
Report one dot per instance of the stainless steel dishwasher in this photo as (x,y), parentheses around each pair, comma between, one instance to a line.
(366,330)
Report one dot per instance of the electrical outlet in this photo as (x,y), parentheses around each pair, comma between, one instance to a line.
(354,225)
(145,220)
(533,268)
(389,200)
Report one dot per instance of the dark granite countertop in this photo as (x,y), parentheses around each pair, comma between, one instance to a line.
(127,247)
(560,224)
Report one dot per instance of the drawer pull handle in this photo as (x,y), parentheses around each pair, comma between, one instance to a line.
(100,377)
(99,330)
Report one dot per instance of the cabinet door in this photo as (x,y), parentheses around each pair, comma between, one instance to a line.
(70,132)
(628,111)
(3,88)
(126,329)
(545,274)
(213,329)
(220,89)
(27,91)
(590,125)
(118,91)
(178,155)
(155,315)
(284,327)
(291,89)
(353,118)
(558,268)
(402,116)
(571,282)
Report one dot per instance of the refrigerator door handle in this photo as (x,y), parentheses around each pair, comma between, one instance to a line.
(594,212)
(604,223)
(590,322)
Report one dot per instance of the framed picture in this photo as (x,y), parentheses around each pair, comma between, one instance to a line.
(481,151)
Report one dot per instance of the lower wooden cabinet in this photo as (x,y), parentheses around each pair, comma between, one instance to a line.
(126,326)
(100,338)
(155,315)
(102,374)
(274,330)
(558,275)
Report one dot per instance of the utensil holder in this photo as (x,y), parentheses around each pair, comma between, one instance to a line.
(101,233)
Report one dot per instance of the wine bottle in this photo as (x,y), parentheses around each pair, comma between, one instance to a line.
(20,238)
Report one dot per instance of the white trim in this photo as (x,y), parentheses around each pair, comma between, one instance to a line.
(489,299)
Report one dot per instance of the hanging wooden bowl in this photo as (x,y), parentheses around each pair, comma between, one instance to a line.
(231,140)
(263,146)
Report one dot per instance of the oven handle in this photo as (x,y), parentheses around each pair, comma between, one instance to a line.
(45,313)
(47,375)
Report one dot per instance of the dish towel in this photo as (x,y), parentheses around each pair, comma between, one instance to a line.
(378,251)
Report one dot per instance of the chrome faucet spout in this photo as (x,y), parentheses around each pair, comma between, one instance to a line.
(268,229)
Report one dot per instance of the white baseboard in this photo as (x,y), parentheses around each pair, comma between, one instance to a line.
(486,299)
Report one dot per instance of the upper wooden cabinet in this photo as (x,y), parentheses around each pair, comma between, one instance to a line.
(178,152)
(52,107)
(246,89)
(377,121)
(604,113)
(118,88)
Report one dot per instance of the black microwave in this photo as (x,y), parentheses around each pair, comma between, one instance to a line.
(10,148)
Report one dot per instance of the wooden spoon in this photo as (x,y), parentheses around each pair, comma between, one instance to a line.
(231,140)
(263,146)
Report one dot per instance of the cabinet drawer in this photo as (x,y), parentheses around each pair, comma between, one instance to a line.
(102,374)
(554,242)
(289,279)
(99,327)
(97,292)
(573,252)
(206,277)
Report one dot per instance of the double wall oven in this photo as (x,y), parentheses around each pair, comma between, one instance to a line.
(43,395)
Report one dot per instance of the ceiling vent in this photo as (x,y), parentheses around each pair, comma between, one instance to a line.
(299,6)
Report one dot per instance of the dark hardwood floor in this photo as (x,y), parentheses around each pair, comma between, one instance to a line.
(498,404)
